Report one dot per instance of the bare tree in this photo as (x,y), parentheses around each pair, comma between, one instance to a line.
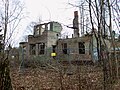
(10,16)
(30,28)
(104,14)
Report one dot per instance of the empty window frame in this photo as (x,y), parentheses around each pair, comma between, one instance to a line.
(81,47)
(32,49)
(64,48)
(24,49)
(37,30)
(41,48)
(48,26)
(42,29)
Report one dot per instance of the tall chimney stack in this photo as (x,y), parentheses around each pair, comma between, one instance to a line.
(76,24)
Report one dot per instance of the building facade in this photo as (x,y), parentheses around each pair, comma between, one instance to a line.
(45,42)
(44,38)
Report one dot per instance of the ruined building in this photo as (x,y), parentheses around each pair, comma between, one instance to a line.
(45,42)
(44,38)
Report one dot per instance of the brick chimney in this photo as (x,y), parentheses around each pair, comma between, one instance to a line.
(76,24)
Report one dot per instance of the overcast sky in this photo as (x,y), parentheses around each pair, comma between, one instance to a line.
(55,10)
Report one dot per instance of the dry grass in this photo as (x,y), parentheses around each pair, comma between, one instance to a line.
(49,79)
(67,78)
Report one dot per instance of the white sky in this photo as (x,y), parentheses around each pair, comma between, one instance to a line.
(54,10)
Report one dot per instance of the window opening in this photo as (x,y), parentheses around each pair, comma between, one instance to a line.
(32,49)
(81,48)
(65,48)
(41,48)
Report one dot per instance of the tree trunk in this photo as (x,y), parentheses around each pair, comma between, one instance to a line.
(5,80)
(114,61)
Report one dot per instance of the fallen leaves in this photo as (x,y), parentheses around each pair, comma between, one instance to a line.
(49,79)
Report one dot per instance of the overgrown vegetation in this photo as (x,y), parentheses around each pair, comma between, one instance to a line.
(10,17)
(105,76)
